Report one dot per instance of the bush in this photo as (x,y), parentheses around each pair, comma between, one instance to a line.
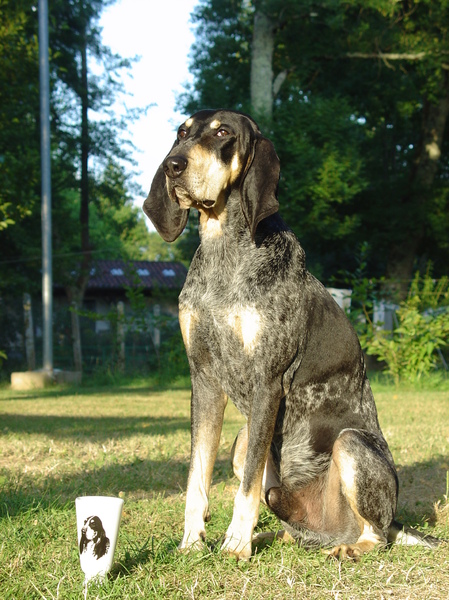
(413,349)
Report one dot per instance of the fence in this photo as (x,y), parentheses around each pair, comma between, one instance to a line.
(122,340)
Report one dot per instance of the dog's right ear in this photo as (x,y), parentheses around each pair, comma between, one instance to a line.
(165,214)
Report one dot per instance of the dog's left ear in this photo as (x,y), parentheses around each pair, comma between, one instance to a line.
(165,214)
(259,186)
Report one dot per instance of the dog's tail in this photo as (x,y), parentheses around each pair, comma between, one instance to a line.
(407,536)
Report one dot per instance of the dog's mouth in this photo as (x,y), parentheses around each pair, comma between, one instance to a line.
(182,197)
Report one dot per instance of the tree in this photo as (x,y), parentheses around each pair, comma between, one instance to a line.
(91,193)
(117,225)
(19,103)
(74,36)
(359,97)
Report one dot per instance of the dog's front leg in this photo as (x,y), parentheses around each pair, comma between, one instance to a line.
(207,409)
(246,505)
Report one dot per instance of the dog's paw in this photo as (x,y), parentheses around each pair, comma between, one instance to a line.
(237,546)
(192,541)
(345,552)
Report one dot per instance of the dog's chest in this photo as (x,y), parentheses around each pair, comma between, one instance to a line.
(233,330)
(219,314)
(245,324)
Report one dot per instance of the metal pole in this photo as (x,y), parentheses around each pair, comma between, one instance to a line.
(47,277)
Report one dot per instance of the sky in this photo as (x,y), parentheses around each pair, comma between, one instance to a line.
(161,33)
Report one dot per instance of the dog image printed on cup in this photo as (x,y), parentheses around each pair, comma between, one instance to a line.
(93,538)
(94,547)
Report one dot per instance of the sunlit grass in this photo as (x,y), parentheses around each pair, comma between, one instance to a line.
(134,441)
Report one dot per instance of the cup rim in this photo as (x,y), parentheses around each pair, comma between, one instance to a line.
(89,497)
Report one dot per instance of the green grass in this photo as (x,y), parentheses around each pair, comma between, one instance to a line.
(132,440)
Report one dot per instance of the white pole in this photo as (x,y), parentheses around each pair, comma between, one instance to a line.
(47,277)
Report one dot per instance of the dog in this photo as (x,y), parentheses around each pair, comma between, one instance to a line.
(259,329)
(93,538)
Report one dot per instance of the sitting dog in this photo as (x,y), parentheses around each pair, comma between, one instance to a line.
(260,329)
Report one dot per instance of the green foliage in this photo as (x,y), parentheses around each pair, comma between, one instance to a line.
(140,322)
(19,106)
(347,124)
(221,56)
(411,350)
(117,227)
(364,290)
(181,250)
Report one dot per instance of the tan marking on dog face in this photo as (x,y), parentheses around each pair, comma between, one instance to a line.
(246,323)
(206,176)
(187,320)
(215,124)
(189,122)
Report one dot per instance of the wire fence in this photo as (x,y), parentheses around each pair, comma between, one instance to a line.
(147,341)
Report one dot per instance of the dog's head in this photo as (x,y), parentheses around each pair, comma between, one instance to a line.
(215,151)
(92,529)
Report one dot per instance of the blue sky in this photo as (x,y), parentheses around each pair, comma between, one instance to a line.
(161,33)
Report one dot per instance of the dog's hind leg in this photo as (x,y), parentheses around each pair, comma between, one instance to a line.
(351,508)
(369,485)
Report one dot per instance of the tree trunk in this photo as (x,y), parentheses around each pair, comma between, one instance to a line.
(76,291)
(84,97)
(261,83)
(121,334)
(404,249)
(29,332)
(76,337)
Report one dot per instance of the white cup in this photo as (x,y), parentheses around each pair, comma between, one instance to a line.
(98,521)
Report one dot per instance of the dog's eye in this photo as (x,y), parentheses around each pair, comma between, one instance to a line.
(182,133)
(222,132)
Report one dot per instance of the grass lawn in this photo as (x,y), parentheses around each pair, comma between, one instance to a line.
(134,441)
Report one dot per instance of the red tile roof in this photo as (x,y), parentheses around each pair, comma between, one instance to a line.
(119,274)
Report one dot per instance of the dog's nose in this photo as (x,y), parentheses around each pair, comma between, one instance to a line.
(174,166)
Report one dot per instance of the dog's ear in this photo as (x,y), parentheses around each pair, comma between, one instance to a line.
(259,186)
(165,214)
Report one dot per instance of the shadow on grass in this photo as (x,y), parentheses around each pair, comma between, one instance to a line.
(97,428)
(136,479)
(7,394)
(152,549)
(421,485)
